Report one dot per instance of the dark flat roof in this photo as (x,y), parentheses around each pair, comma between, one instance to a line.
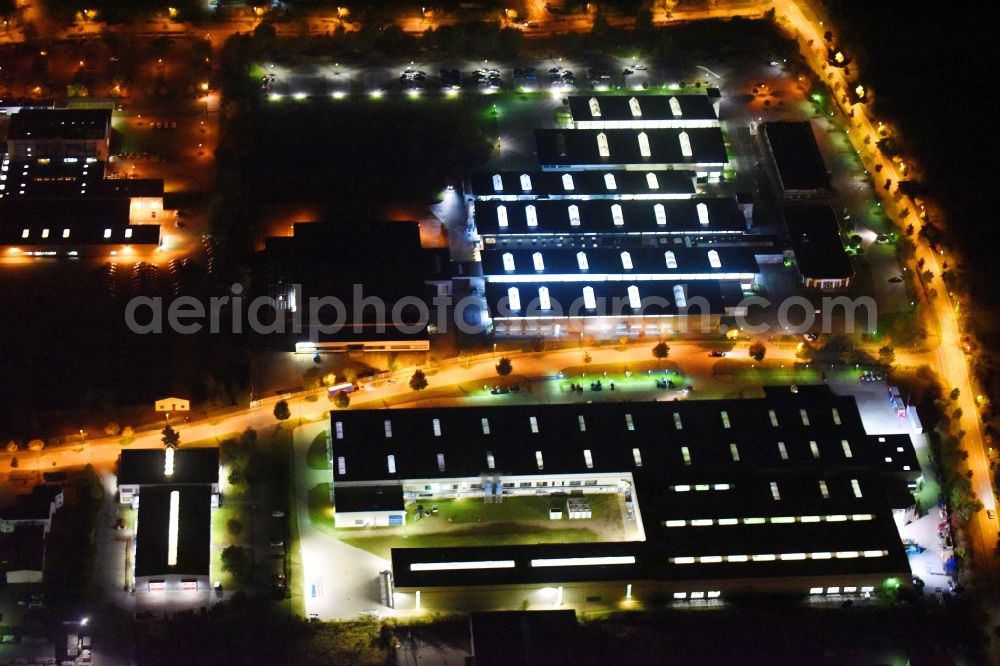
(146,466)
(23,549)
(553,217)
(816,242)
(33,506)
(584,183)
(66,124)
(525,638)
(796,155)
(369,498)
(328,258)
(651,107)
(579,147)
(193,536)
(57,213)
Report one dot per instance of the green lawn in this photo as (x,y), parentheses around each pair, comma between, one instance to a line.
(491,534)
(517,520)
(316,455)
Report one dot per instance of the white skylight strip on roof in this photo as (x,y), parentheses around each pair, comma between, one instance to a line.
(173,525)
(675,107)
(459,566)
(583,561)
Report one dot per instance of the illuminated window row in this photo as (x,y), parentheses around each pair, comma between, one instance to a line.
(773,520)
(712,594)
(778,557)
(849,589)
(700,487)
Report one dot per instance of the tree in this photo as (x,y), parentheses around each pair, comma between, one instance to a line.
(342,400)
(954,394)
(504,367)
(757,351)
(887,355)
(12,446)
(237,561)
(112,429)
(587,358)
(281,411)
(171,438)
(36,445)
(418,382)
(661,350)
(643,20)
(350,375)
(128,432)
(927,276)
(234,526)
(392,362)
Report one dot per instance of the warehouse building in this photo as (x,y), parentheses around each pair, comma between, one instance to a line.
(700,149)
(796,159)
(66,207)
(377,271)
(175,492)
(643,111)
(612,184)
(781,494)
(819,251)
(58,133)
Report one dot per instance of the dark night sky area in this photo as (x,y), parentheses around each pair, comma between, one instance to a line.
(932,66)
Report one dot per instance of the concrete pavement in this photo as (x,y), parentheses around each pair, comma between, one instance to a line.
(339,581)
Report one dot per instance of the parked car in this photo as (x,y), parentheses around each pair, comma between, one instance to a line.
(717,354)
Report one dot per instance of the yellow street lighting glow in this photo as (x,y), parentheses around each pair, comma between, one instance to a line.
(456,566)
(583,561)
(175,507)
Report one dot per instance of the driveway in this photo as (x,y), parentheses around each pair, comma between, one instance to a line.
(339,581)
